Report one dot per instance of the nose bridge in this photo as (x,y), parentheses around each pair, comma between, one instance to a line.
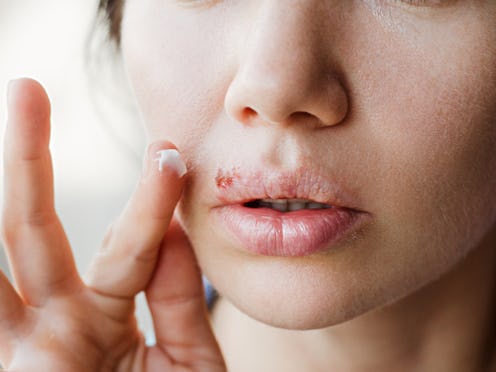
(283,67)
(282,40)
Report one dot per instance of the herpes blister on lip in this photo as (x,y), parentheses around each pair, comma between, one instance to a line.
(226,178)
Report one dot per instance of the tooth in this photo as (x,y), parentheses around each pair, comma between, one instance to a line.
(296,205)
(280,205)
(298,200)
(288,205)
(313,205)
(263,204)
(282,201)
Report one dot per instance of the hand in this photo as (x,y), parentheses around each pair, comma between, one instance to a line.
(54,321)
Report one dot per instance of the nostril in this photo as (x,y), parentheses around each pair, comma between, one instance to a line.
(248,113)
(301,115)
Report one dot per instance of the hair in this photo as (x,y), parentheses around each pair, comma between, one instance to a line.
(111,12)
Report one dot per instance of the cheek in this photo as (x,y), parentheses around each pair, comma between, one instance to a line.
(174,71)
(430,132)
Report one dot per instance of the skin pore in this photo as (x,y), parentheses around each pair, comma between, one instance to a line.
(393,100)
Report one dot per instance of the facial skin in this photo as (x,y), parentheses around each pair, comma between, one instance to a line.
(394,101)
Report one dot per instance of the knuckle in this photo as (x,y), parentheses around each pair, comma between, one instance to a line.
(120,243)
(31,218)
(13,228)
(136,252)
(145,255)
(40,218)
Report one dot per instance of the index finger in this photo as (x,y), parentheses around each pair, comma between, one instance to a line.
(36,244)
(125,262)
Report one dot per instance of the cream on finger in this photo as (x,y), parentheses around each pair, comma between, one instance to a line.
(172,159)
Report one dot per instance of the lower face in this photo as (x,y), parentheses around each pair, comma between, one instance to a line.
(252,94)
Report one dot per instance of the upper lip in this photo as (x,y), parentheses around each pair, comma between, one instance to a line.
(238,185)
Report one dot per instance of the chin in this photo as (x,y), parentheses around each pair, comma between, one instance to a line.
(291,293)
(300,314)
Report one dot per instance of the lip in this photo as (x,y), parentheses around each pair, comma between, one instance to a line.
(268,232)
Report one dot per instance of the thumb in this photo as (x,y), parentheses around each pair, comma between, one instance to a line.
(177,303)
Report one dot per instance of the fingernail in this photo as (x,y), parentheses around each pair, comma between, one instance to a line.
(172,159)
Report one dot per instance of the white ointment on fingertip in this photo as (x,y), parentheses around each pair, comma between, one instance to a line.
(172,159)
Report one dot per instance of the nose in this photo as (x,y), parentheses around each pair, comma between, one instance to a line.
(285,74)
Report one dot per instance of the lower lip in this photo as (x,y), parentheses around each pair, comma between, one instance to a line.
(292,234)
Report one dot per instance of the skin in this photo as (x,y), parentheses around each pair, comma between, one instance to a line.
(395,101)
(55,318)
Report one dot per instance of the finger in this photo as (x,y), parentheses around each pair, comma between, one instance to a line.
(126,261)
(36,244)
(177,304)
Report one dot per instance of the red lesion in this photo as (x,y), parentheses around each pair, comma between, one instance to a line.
(226,178)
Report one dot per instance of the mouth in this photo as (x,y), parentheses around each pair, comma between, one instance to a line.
(289,214)
(287,205)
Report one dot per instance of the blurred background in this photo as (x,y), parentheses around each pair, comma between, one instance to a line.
(97,140)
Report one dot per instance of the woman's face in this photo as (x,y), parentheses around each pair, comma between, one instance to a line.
(385,108)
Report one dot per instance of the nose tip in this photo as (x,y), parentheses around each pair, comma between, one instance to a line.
(285,100)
